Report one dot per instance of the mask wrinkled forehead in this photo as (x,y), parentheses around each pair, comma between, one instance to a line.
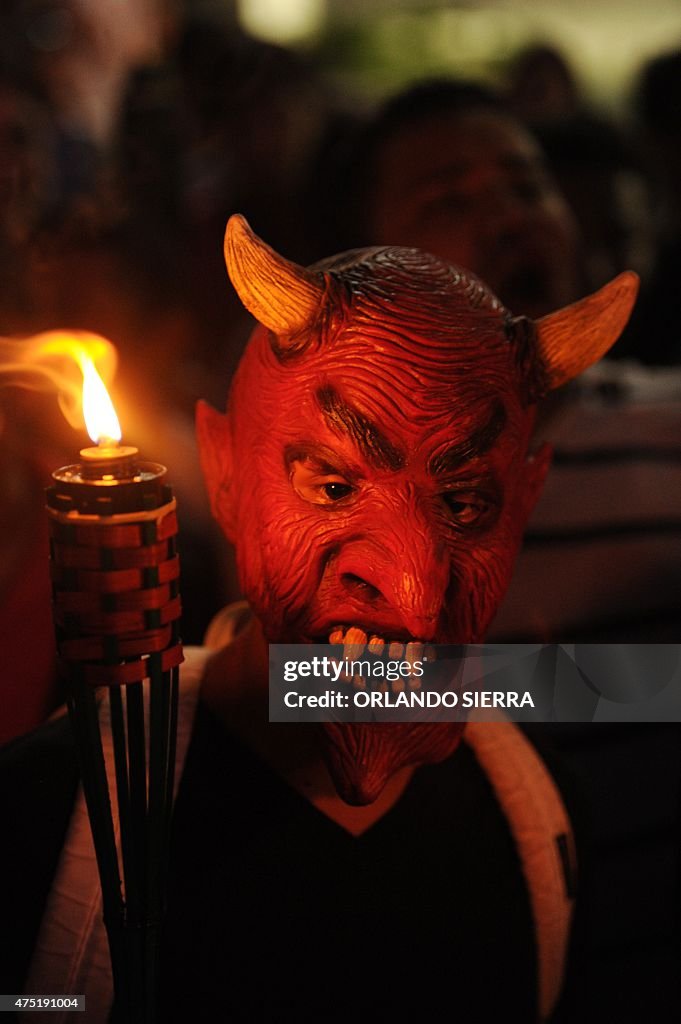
(401,330)
(428,304)
(424,323)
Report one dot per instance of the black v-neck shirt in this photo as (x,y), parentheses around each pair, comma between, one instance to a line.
(275,911)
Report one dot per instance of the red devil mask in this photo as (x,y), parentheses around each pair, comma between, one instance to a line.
(372,468)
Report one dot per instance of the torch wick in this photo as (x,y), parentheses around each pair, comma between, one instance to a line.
(107,442)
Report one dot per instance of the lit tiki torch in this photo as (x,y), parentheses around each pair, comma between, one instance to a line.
(115,570)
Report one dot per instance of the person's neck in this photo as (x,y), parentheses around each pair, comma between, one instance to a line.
(234,689)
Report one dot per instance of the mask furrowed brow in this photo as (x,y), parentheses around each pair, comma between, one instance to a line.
(342,418)
(478,443)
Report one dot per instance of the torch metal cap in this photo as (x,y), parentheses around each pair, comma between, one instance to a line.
(104,487)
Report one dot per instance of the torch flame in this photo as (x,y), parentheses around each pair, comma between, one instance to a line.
(99,414)
(75,364)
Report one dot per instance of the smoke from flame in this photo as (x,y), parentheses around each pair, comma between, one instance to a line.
(59,361)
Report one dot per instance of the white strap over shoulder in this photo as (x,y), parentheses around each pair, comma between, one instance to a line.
(543,834)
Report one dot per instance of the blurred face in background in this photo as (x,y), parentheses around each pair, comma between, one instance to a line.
(83,51)
(472,188)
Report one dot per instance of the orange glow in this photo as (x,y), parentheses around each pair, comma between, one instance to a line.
(77,365)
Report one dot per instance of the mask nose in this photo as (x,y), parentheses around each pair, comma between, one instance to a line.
(401,571)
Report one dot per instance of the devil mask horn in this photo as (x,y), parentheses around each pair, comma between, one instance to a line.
(284,297)
(573,338)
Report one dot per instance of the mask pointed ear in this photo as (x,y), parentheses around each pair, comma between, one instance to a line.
(215,454)
(573,338)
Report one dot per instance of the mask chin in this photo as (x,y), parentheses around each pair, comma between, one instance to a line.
(362,758)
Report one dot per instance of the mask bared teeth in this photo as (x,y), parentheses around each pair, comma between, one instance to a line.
(355,640)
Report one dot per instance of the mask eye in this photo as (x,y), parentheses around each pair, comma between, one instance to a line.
(466,509)
(336,491)
(317,485)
